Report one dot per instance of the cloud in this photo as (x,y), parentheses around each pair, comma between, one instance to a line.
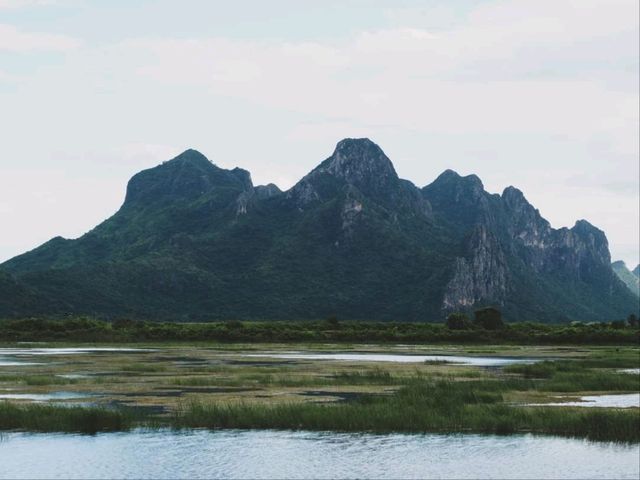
(503,70)
(14,40)
(537,93)
(16,4)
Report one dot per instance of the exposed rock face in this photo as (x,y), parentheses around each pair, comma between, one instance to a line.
(363,164)
(359,165)
(479,277)
(195,241)
(547,250)
(518,238)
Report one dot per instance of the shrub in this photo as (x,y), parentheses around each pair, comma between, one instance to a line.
(332,321)
(489,318)
(458,321)
(618,324)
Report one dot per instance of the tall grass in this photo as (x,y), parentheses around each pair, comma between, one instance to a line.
(576,376)
(358,377)
(49,418)
(443,406)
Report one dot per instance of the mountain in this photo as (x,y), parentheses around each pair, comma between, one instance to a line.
(17,299)
(636,271)
(630,279)
(193,241)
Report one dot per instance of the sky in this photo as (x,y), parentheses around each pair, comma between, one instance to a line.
(539,94)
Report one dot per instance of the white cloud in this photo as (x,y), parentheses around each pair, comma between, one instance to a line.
(16,4)
(537,93)
(13,39)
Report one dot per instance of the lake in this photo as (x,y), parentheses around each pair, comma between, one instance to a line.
(285,454)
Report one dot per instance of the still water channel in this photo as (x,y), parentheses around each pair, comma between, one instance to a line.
(284,454)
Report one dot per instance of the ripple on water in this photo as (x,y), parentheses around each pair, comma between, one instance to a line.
(283,454)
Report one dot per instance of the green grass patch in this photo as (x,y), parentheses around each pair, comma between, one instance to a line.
(49,418)
(577,376)
(421,407)
(144,368)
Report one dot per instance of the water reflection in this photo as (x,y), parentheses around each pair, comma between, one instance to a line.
(383,357)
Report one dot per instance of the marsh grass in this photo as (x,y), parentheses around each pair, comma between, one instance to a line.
(49,418)
(440,406)
(358,377)
(577,376)
(38,380)
(143,368)
(424,398)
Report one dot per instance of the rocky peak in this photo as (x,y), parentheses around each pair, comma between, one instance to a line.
(594,241)
(243,176)
(450,187)
(190,157)
(636,271)
(628,278)
(525,221)
(267,191)
(361,163)
(619,264)
(461,200)
(186,176)
(358,163)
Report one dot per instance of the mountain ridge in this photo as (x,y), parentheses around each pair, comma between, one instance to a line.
(195,241)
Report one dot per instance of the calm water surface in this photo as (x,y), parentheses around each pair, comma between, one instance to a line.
(282,454)
(624,400)
(384,357)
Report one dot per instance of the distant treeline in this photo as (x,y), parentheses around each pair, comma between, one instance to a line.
(85,329)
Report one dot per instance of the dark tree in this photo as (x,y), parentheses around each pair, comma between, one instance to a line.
(458,321)
(632,320)
(618,324)
(489,318)
(333,321)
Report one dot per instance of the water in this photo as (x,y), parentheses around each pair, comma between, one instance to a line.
(630,370)
(11,362)
(627,400)
(43,397)
(69,350)
(384,357)
(282,454)
(13,357)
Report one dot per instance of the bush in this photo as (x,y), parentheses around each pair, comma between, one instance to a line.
(489,318)
(458,321)
(618,324)
(333,322)
(632,320)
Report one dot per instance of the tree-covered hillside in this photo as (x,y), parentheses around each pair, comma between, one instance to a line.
(193,241)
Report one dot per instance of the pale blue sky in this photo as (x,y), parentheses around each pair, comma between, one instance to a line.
(540,94)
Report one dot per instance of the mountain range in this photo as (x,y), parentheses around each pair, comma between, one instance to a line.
(193,241)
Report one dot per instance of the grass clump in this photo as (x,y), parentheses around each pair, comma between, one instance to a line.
(143,368)
(576,376)
(50,418)
(38,380)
